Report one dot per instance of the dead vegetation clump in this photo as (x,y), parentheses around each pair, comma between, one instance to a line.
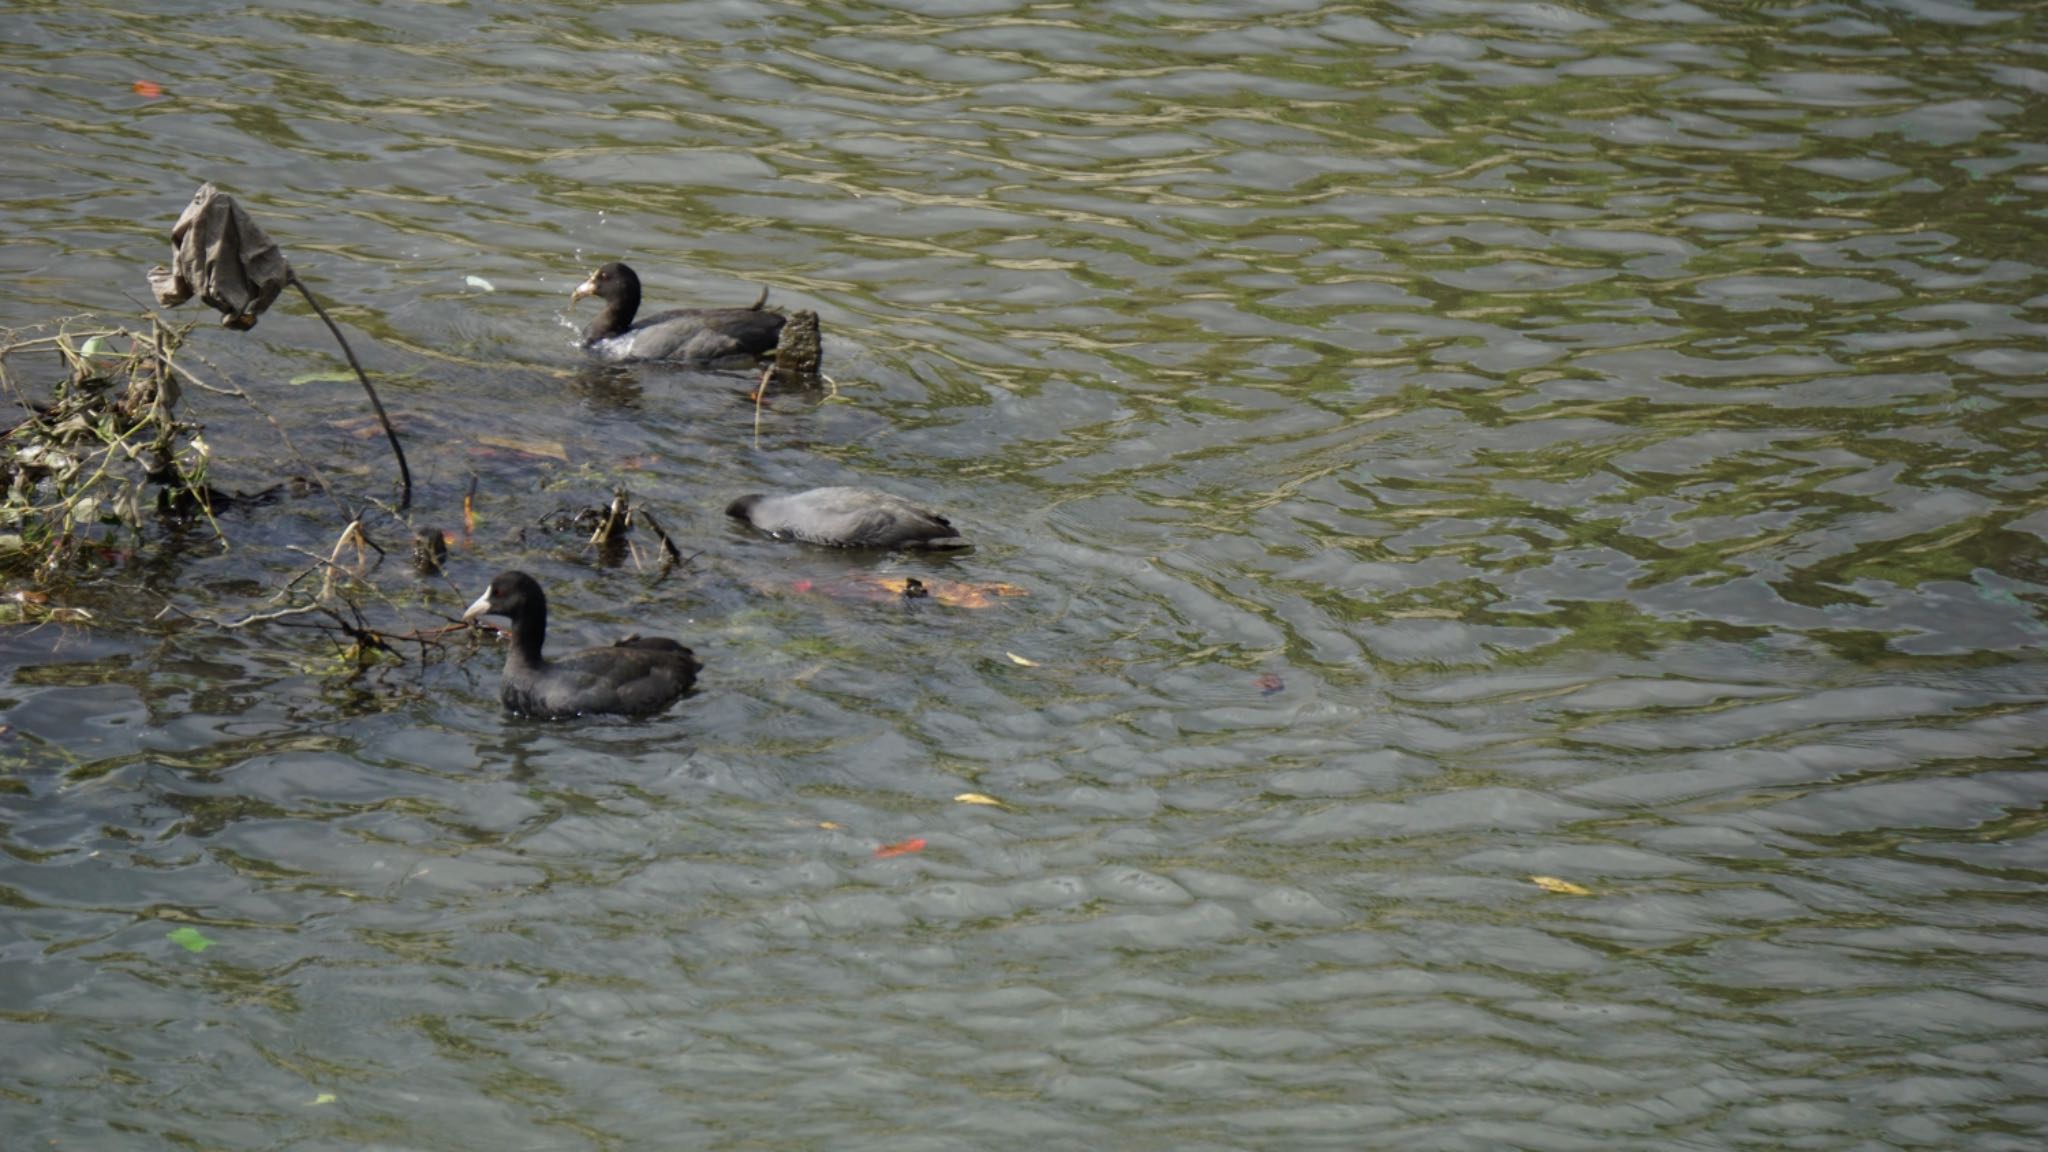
(83,470)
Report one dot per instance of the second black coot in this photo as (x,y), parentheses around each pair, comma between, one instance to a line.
(847,518)
(696,335)
(635,677)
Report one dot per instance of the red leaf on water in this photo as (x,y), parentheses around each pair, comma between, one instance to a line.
(148,89)
(900,848)
(1269,684)
(802,585)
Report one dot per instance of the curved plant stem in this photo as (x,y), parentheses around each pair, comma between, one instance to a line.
(404,473)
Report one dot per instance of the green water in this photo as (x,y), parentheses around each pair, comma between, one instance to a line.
(1440,446)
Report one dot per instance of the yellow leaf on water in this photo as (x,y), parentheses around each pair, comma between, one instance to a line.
(829,825)
(977,798)
(323,378)
(1021,661)
(324,1098)
(1561,887)
(956,594)
(951,593)
(547,448)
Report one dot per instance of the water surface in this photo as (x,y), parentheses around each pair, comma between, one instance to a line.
(1442,445)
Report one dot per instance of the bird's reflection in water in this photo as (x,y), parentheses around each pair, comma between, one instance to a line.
(607,387)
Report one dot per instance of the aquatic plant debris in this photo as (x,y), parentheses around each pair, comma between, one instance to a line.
(324,1098)
(978,798)
(78,470)
(1020,661)
(479,282)
(189,938)
(900,848)
(26,604)
(951,593)
(1561,887)
(219,252)
(545,449)
(871,586)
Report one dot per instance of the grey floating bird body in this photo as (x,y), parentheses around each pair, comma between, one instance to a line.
(694,335)
(847,518)
(637,676)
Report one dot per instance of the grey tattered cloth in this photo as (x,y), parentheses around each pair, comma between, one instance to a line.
(220,253)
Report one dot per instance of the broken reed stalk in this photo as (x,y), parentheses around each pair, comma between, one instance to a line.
(404,473)
(761,397)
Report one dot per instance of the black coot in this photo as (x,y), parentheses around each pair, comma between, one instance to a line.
(699,335)
(847,518)
(634,677)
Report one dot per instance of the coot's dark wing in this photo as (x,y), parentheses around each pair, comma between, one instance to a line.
(654,644)
(854,518)
(701,334)
(888,527)
(634,677)
(898,523)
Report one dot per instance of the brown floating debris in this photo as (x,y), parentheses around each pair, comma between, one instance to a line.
(800,353)
(874,587)
(219,252)
(429,549)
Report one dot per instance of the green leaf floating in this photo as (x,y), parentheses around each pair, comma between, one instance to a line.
(190,939)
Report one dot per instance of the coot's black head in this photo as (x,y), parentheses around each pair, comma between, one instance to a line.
(614,284)
(619,288)
(513,595)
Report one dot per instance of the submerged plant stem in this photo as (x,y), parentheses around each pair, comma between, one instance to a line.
(404,473)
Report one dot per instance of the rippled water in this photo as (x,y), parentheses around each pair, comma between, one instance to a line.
(1443,444)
